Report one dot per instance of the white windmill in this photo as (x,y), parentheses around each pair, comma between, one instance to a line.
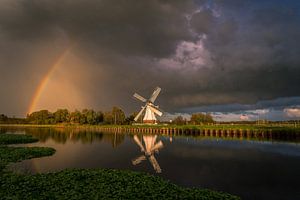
(150,109)
(149,148)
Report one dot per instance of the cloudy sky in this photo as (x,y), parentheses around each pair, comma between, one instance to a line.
(236,59)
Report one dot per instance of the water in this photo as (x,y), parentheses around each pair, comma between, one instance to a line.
(250,169)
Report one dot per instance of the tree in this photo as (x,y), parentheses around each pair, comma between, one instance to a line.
(99,117)
(41,117)
(75,117)
(130,118)
(83,116)
(91,117)
(179,120)
(3,118)
(108,118)
(116,116)
(200,118)
(61,116)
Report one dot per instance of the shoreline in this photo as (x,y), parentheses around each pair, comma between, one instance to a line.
(253,132)
(244,127)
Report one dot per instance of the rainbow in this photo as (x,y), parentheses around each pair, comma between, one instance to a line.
(38,92)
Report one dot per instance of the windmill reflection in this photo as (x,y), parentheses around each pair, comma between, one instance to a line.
(149,146)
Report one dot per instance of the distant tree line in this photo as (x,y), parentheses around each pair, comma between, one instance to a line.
(86,116)
(118,117)
(196,119)
(11,120)
(91,117)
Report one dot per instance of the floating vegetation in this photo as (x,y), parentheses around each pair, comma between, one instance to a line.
(16,139)
(15,154)
(98,184)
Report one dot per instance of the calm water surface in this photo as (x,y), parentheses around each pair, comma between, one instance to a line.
(250,169)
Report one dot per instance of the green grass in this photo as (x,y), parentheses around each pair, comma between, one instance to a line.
(84,183)
(252,127)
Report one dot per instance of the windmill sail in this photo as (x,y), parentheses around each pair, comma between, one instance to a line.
(138,160)
(155,94)
(156,111)
(138,142)
(155,164)
(139,114)
(157,146)
(139,97)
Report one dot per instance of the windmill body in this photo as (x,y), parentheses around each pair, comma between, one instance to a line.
(149,110)
(149,117)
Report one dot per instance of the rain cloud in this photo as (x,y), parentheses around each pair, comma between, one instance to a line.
(203,53)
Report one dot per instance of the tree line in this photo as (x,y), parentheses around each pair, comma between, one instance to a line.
(11,120)
(91,117)
(86,116)
(196,119)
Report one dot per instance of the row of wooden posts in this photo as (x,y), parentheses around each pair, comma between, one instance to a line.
(234,133)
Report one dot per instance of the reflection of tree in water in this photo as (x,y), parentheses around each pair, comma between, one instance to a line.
(61,135)
(114,138)
(44,134)
(149,146)
(13,130)
(3,130)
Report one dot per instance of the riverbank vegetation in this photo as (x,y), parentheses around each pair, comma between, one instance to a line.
(90,117)
(278,127)
(85,183)
(116,116)
(64,116)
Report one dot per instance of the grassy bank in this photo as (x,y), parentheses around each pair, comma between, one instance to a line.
(83,183)
(253,127)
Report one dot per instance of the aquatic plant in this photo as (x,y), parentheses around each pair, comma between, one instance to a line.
(16,139)
(98,184)
(15,154)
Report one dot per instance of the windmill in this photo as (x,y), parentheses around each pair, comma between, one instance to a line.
(149,109)
(149,147)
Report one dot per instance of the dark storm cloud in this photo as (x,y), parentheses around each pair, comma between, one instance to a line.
(267,36)
(31,29)
(248,50)
(203,21)
(276,104)
(129,27)
(254,47)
